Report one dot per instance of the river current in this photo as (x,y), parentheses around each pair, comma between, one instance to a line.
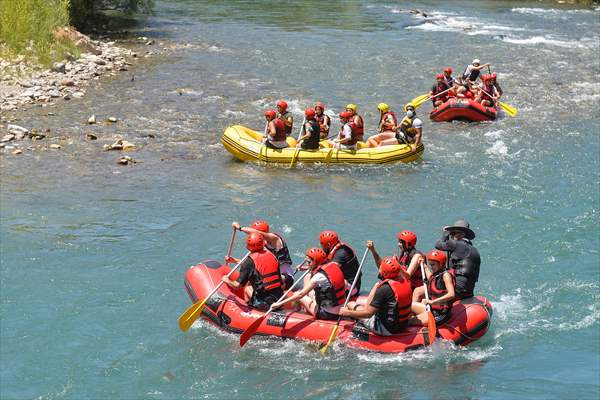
(93,254)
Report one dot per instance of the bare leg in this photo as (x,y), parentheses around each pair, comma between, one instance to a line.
(248,293)
(309,305)
(418,294)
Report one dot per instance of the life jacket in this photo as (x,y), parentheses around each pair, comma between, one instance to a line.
(283,254)
(386,126)
(449,80)
(404,259)
(360,129)
(349,268)
(281,117)
(280,131)
(354,133)
(400,309)
(406,126)
(323,120)
(315,135)
(439,88)
(437,288)
(489,89)
(335,293)
(472,76)
(267,270)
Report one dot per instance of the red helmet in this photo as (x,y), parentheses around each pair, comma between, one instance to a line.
(282,104)
(439,76)
(328,239)
(260,225)
(494,76)
(310,113)
(408,239)
(270,114)
(320,105)
(317,255)
(485,77)
(389,268)
(448,70)
(255,242)
(346,114)
(437,255)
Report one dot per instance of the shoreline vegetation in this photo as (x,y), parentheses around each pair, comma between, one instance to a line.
(31,29)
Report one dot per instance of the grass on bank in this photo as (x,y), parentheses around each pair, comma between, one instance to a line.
(26,28)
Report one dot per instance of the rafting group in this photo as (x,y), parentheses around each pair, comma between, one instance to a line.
(414,288)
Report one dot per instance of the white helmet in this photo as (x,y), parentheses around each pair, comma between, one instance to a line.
(476,61)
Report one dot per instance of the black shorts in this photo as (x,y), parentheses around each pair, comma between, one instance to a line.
(441,316)
(322,314)
(262,302)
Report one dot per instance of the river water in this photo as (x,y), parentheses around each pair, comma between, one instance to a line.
(93,254)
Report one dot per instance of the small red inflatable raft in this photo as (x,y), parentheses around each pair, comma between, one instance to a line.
(226,309)
(463,110)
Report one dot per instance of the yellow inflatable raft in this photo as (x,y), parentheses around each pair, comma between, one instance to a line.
(245,144)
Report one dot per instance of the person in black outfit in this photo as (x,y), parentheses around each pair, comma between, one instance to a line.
(464,258)
(311,130)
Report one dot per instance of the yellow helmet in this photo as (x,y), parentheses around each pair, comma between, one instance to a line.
(411,105)
(383,107)
(352,107)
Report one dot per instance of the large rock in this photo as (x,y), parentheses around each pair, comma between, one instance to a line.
(59,67)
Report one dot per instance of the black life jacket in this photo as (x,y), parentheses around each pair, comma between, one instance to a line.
(283,254)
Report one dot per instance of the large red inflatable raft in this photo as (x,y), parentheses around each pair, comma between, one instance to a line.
(463,110)
(226,309)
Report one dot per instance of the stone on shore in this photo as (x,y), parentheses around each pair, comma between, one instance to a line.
(126,160)
(92,120)
(55,146)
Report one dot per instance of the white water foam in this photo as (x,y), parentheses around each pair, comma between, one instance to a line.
(549,40)
(498,149)
(497,134)
(550,12)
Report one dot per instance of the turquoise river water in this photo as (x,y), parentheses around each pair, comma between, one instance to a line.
(93,254)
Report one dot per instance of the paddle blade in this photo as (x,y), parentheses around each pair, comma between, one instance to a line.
(417,101)
(186,320)
(510,110)
(251,330)
(331,338)
(431,328)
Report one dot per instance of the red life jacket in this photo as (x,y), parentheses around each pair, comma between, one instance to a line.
(267,269)
(321,121)
(285,115)
(405,258)
(403,294)
(489,89)
(437,288)
(360,129)
(355,135)
(386,126)
(336,294)
(439,89)
(280,131)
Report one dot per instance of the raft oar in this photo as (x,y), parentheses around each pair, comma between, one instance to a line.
(230,245)
(251,330)
(337,324)
(299,148)
(419,100)
(510,110)
(431,328)
(190,315)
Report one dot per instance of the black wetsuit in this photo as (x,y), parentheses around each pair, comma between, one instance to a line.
(465,260)
(312,143)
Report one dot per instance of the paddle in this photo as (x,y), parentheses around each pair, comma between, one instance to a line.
(431,328)
(337,324)
(193,312)
(299,148)
(251,330)
(510,110)
(418,101)
(230,245)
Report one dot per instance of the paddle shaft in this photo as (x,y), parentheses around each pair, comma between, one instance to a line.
(228,275)
(301,129)
(231,244)
(287,291)
(425,285)
(337,324)
(436,95)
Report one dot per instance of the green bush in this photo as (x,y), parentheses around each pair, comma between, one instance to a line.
(26,28)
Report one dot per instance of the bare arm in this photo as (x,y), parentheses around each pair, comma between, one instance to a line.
(376,257)
(295,296)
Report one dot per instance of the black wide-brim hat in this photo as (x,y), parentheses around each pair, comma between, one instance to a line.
(461,226)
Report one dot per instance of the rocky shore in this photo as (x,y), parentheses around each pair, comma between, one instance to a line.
(23,85)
